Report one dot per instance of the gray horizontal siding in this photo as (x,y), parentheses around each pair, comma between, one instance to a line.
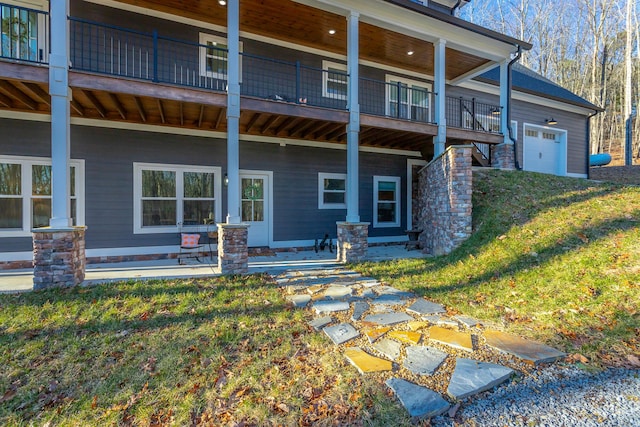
(109,155)
(535,114)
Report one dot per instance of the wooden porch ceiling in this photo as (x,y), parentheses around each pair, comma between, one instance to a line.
(297,23)
(120,100)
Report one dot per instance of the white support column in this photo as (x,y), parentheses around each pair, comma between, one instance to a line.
(504,100)
(233,112)
(440,81)
(60,114)
(353,128)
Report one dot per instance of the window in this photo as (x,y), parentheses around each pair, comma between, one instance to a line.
(252,196)
(23,32)
(548,135)
(332,189)
(530,132)
(408,99)
(214,54)
(166,195)
(386,201)
(25,194)
(334,80)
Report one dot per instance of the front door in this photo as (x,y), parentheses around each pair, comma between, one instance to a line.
(256,200)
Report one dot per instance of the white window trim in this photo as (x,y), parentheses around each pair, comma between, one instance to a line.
(321,177)
(202,40)
(389,78)
(179,170)
(27,163)
(325,79)
(376,180)
(43,28)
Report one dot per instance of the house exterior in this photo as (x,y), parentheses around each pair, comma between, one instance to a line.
(126,122)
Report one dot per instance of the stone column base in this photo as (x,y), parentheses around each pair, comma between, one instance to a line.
(502,156)
(59,259)
(233,252)
(352,241)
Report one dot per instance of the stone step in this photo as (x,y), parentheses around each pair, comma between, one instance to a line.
(455,339)
(530,351)
(471,377)
(422,360)
(341,333)
(365,362)
(420,402)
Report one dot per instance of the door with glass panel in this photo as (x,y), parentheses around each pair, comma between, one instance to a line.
(408,100)
(255,201)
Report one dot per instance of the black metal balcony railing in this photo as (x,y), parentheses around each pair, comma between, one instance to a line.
(111,50)
(400,100)
(470,114)
(24,34)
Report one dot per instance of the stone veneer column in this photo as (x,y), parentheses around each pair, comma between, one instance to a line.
(59,259)
(502,156)
(233,252)
(352,241)
(446,185)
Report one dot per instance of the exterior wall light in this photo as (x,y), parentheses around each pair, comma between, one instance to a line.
(495,111)
(226,180)
(222,2)
(551,121)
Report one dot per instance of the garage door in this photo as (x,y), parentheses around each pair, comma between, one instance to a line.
(542,151)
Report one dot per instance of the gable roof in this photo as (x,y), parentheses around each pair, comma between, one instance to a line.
(528,81)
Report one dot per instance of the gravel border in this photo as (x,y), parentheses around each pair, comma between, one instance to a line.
(556,396)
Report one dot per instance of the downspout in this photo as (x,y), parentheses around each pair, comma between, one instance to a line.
(509,128)
(588,149)
(457,5)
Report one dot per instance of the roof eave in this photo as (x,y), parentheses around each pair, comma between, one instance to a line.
(461,23)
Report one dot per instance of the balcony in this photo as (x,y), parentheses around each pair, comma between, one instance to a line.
(123,74)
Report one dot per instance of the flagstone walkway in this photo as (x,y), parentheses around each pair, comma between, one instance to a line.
(431,359)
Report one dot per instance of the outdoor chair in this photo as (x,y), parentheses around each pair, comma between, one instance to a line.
(190,245)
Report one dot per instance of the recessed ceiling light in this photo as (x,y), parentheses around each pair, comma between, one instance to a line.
(410,53)
(222,2)
(332,32)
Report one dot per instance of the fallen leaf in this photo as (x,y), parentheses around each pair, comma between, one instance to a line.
(283,407)
(94,402)
(583,237)
(9,394)
(577,358)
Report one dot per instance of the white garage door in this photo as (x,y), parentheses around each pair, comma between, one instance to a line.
(543,151)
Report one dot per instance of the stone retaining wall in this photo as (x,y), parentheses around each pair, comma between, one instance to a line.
(446,186)
(352,241)
(58,257)
(233,254)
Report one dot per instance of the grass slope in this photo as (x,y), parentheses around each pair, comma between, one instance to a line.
(553,259)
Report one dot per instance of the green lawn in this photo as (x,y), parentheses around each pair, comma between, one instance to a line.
(554,259)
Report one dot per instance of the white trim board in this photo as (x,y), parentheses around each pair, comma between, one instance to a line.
(526,97)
